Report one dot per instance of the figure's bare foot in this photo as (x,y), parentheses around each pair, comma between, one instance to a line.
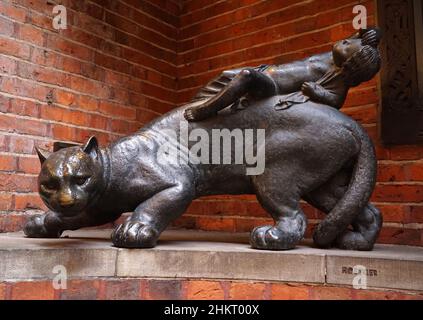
(198,114)
(189,114)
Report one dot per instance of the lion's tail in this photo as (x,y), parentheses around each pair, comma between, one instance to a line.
(356,197)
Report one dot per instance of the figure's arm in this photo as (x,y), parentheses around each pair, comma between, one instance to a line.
(319,94)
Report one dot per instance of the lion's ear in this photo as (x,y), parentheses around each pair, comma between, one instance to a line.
(91,147)
(42,154)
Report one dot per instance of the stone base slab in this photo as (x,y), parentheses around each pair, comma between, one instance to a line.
(184,254)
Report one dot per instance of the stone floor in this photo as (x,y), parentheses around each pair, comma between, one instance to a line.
(206,255)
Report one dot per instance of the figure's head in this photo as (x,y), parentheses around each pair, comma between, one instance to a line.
(359,63)
(359,58)
(71,178)
(362,66)
(344,49)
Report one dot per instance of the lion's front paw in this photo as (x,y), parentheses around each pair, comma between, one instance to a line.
(132,234)
(36,228)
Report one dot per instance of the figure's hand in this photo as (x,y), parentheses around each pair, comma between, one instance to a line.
(38,227)
(310,89)
(370,37)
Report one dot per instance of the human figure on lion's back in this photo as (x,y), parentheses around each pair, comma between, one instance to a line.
(313,152)
(234,87)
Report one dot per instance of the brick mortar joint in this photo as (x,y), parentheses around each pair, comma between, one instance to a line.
(94,33)
(262,15)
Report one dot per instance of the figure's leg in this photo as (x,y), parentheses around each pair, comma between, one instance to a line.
(150,218)
(247,81)
(365,227)
(283,205)
(51,225)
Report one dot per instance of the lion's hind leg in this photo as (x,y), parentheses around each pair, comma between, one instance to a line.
(282,202)
(365,230)
(366,226)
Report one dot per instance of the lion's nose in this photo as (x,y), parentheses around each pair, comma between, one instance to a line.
(66,200)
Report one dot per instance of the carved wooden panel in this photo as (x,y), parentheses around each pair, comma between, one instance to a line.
(402,108)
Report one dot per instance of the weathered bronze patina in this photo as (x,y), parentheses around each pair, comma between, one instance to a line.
(312,152)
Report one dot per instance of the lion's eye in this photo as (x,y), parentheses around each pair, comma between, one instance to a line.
(80,180)
(50,186)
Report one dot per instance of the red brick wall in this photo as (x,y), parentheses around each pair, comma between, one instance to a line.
(121,63)
(214,36)
(161,289)
(112,70)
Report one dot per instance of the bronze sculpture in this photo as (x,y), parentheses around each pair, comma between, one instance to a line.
(313,152)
